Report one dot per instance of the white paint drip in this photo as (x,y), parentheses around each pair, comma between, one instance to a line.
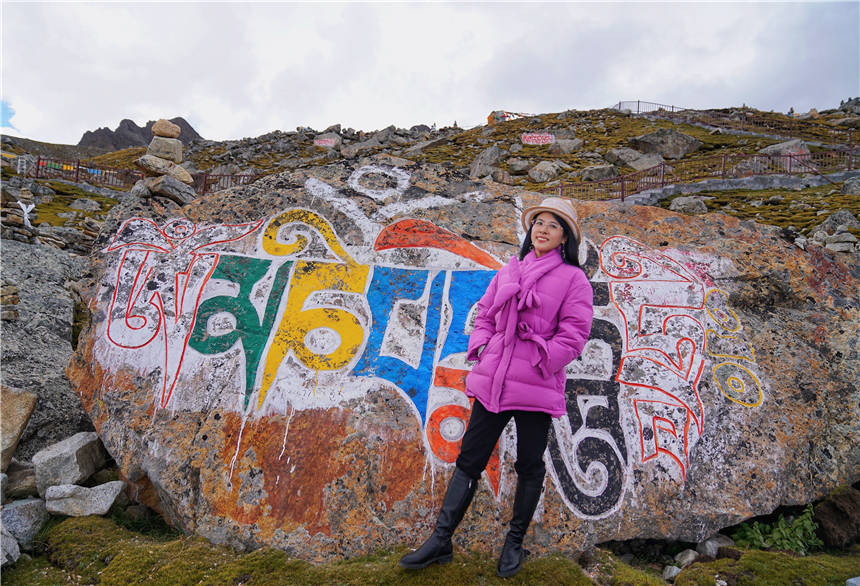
(236,454)
(406,207)
(286,431)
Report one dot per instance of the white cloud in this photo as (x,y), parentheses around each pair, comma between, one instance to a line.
(235,70)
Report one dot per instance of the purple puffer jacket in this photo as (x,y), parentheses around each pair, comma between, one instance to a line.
(534,319)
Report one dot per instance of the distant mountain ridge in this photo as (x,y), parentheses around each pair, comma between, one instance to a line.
(129,134)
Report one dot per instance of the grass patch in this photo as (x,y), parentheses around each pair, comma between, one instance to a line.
(767,568)
(66,194)
(122,159)
(97,550)
(804,209)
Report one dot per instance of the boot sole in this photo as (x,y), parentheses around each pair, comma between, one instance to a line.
(509,573)
(445,559)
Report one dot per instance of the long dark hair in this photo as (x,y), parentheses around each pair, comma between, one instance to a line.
(569,249)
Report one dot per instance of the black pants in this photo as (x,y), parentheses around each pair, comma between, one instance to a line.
(484,430)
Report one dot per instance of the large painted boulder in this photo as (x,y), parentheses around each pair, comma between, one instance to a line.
(284,365)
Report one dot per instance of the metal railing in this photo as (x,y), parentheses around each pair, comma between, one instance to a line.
(745,120)
(730,166)
(78,172)
(640,107)
(206,183)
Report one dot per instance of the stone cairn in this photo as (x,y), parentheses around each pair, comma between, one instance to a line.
(161,165)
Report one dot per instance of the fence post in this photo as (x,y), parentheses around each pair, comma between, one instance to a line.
(662,175)
(560,188)
(77,169)
(38,164)
(205,183)
(622,189)
(790,157)
(723,168)
(637,110)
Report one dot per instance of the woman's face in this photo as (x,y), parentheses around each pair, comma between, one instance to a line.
(547,233)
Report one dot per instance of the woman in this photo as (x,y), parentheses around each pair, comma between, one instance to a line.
(533,320)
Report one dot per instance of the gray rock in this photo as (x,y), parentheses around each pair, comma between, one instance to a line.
(841,237)
(140,190)
(647,161)
(18,406)
(484,163)
(565,146)
(516,147)
(79,501)
(666,142)
(86,204)
(853,581)
(334,137)
(165,148)
(70,461)
(502,176)
(9,548)
(790,147)
(669,573)
(35,346)
(156,167)
(710,546)
(353,150)
(689,205)
(840,247)
(599,172)
(839,220)
(170,188)
(852,186)
(686,557)
(4,483)
(21,481)
(24,519)
(543,171)
(519,166)
(622,156)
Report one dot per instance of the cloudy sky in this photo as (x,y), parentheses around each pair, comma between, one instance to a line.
(235,70)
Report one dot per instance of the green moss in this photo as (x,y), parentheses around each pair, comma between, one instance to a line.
(801,209)
(764,568)
(96,550)
(61,202)
(122,159)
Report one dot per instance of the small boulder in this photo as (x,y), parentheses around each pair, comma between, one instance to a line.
(543,171)
(666,142)
(669,573)
(565,146)
(18,406)
(166,128)
(79,501)
(502,176)
(329,140)
(599,172)
(852,186)
(156,166)
(24,519)
(70,461)
(789,147)
(21,481)
(170,188)
(838,221)
(689,205)
(686,557)
(483,164)
(8,548)
(165,148)
(140,190)
(86,204)
(712,545)
(519,166)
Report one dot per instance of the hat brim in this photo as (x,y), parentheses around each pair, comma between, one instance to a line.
(529,214)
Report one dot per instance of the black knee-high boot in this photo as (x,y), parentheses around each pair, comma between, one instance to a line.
(438,548)
(525,502)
